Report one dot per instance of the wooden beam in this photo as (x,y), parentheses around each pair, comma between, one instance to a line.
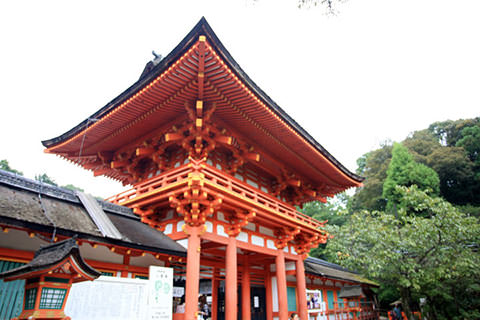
(173,137)
(223,139)
(144,151)
(92,165)
(119,164)
(100,172)
(253,156)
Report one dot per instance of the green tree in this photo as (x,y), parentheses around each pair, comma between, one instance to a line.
(456,173)
(45,179)
(449,132)
(470,141)
(421,144)
(335,212)
(73,188)
(420,255)
(404,171)
(373,166)
(4,165)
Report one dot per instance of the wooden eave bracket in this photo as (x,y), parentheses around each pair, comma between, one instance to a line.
(284,236)
(238,220)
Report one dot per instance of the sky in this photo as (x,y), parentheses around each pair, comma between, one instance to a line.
(377,70)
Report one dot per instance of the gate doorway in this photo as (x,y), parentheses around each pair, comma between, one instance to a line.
(257,303)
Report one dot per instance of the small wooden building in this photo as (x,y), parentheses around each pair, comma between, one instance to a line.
(217,166)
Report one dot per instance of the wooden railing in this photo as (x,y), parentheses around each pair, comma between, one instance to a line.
(176,175)
(365,312)
(219,179)
(236,186)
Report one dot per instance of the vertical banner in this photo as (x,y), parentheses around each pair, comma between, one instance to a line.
(160,293)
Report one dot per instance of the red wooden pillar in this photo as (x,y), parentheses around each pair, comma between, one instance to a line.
(193,272)
(301,290)
(281,285)
(214,294)
(268,293)
(231,297)
(246,314)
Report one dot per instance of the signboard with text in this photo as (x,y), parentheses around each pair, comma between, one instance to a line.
(160,293)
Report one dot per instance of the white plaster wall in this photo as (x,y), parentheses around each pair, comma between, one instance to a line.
(258,241)
(266,231)
(274,295)
(221,231)
(271,244)
(242,236)
(250,226)
(221,216)
(252,183)
(209,226)
(168,228)
(290,265)
(179,225)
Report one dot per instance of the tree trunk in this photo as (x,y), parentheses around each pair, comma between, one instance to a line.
(406,302)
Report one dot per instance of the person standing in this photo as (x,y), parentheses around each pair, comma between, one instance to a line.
(397,312)
(294,316)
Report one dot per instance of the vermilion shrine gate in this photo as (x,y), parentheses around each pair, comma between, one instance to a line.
(218,166)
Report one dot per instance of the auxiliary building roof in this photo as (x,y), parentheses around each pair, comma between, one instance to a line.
(159,96)
(322,268)
(41,207)
(50,255)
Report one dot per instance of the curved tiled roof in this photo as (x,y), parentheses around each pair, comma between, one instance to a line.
(274,116)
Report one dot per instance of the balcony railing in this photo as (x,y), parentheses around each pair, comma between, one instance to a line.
(219,179)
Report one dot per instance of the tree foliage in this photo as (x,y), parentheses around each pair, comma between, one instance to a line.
(450,148)
(335,211)
(373,167)
(404,171)
(72,187)
(449,132)
(419,254)
(470,141)
(45,179)
(4,165)
(456,174)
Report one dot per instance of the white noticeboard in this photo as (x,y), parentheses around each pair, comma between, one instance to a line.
(108,298)
(115,298)
(160,293)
